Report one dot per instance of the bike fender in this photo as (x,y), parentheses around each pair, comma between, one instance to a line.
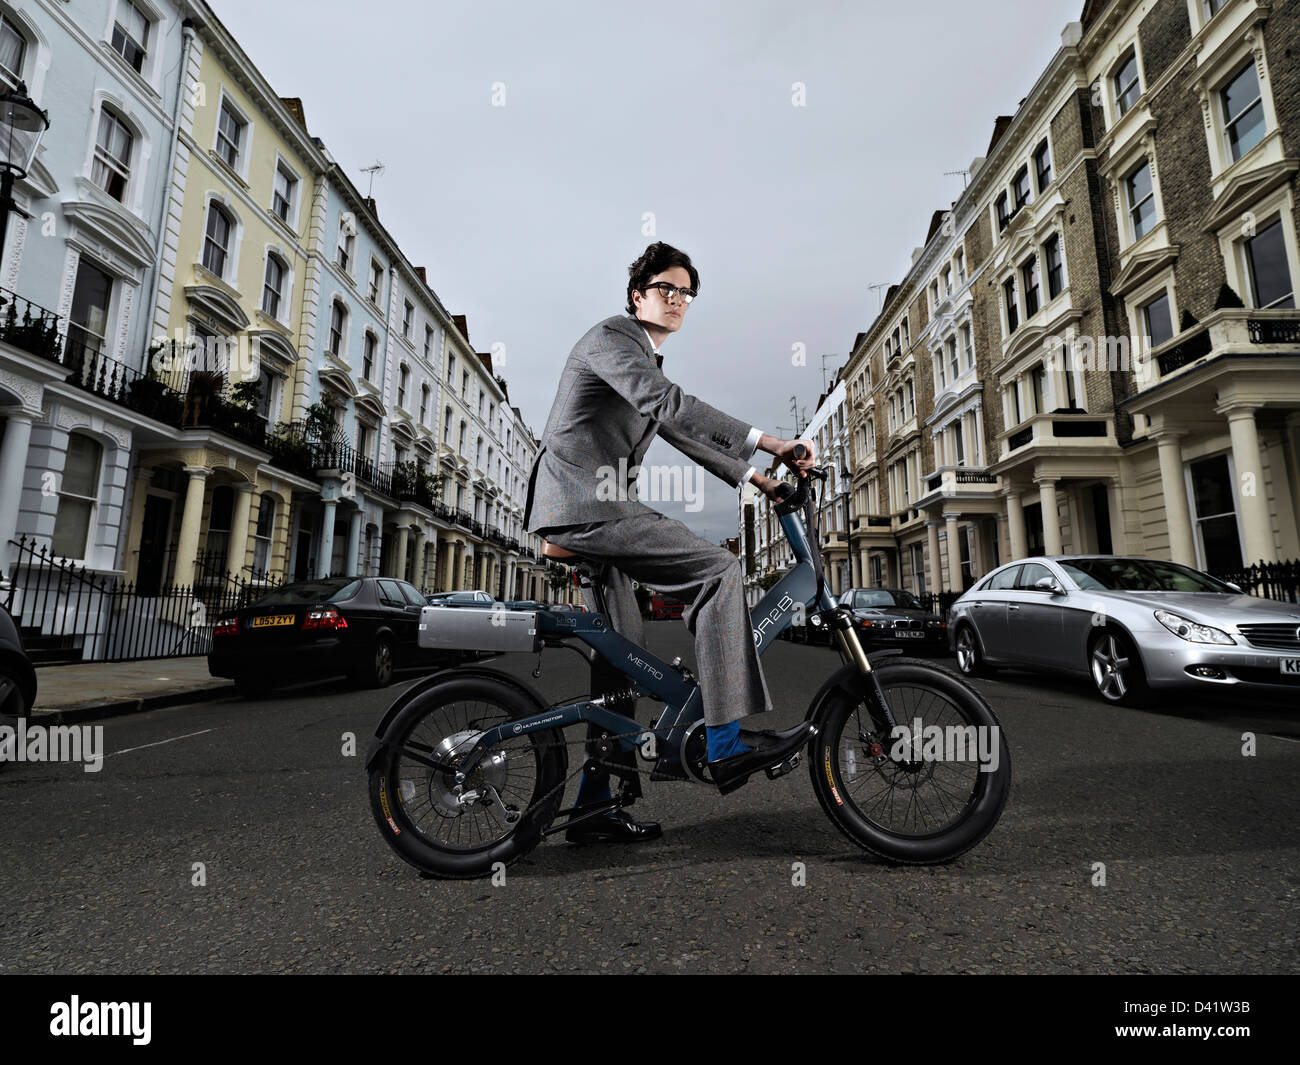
(443,675)
(849,679)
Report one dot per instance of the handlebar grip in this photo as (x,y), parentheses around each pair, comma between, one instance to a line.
(800,451)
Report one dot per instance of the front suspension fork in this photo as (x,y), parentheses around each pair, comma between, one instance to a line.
(851,650)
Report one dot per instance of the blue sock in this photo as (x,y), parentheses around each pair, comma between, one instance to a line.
(592,791)
(724,741)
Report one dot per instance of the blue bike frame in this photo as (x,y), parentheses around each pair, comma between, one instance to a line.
(795,591)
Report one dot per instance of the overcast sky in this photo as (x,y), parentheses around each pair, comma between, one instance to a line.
(528,214)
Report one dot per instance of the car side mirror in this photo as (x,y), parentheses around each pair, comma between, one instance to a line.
(1048,584)
(1235,587)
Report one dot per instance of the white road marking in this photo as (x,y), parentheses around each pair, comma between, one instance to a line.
(158,744)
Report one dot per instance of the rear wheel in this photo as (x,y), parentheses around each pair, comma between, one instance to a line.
(505,804)
(378,670)
(916,799)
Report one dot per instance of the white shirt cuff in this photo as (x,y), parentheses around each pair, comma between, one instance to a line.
(749,473)
(751,441)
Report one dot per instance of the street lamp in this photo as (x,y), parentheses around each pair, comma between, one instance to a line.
(21,125)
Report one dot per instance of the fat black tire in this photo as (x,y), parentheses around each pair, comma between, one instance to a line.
(544,748)
(839,796)
(377,672)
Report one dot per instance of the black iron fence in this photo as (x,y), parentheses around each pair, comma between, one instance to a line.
(67,613)
(1268,580)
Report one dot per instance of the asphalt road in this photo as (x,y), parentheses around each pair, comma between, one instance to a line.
(1199,844)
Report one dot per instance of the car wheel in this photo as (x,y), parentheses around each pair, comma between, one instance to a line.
(1116,669)
(378,671)
(970,659)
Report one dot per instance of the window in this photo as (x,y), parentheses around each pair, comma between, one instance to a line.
(230,132)
(446,425)
(946,276)
(961,267)
(1037,379)
(1243,111)
(283,193)
(1043,166)
(424,403)
(958,441)
(950,345)
(968,350)
(368,355)
(1127,86)
(131,34)
(1029,275)
(428,341)
(464,383)
(1003,216)
(1141,200)
(451,369)
(408,316)
(463,427)
(1270,276)
(1009,299)
(338,323)
(911,401)
(78,494)
(906,337)
(216,240)
(112,165)
(478,453)
(13,49)
(1214,6)
(1052,256)
(376,292)
(403,379)
(1157,320)
(91,294)
(262,537)
(273,286)
(347,241)
(1020,186)
(938,372)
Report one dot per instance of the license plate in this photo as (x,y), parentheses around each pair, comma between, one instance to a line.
(1290,667)
(270,621)
(909,635)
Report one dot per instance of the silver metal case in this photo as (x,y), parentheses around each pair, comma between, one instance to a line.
(469,629)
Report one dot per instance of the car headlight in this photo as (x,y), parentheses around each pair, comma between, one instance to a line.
(1192,631)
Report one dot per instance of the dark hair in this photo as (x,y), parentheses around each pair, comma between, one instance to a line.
(655,260)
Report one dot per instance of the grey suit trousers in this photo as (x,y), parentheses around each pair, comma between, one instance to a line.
(663,553)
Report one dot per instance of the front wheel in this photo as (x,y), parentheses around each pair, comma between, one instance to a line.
(930,791)
(516,789)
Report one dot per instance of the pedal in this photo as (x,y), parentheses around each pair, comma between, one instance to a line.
(785,767)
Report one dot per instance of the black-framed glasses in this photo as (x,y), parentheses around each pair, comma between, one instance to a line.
(669,291)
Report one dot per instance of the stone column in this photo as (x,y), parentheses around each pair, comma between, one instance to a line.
(977,567)
(954,553)
(238,546)
(1016,524)
(933,579)
(13,461)
(325,555)
(354,542)
(1256,525)
(1115,502)
(1051,519)
(135,524)
(1178,517)
(191,517)
(398,564)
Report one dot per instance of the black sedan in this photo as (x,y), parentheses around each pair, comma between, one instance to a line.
(17,677)
(362,626)
(893,617)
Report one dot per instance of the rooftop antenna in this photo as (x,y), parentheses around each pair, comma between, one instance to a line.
(824,358)
(876,289)
(965,176)
(377,168)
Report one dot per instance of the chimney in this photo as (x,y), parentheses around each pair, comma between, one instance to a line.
(294,106)
(462,325)
(370,206)
(423,279)
(485,358)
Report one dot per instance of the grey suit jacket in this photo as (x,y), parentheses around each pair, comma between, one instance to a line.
(611,402)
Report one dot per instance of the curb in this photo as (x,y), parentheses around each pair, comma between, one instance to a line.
(75,714)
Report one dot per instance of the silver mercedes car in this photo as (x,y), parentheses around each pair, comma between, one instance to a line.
(1135,626)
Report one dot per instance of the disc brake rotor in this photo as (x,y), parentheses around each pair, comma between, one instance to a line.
(492,770)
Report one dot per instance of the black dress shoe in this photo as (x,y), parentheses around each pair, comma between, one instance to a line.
(770,749)
(617,826)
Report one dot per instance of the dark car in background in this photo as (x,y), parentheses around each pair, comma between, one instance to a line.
(894,617)
(17,677)
(364,627)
